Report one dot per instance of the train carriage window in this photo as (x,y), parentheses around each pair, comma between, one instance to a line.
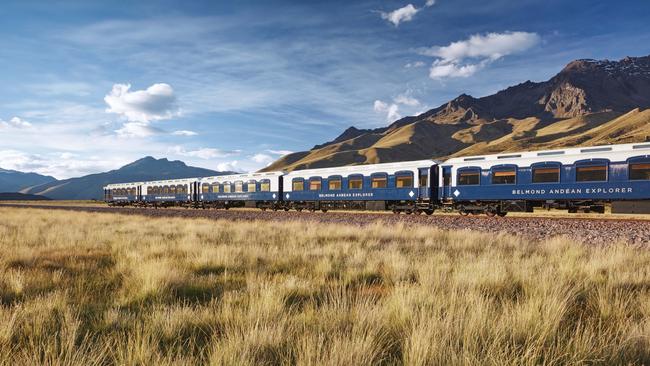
(504,176)
(252,186)
(640,171)
(205,188)
(165,190)
(379,181)
(181,189)
(315,184)
(594,173)
(355,182)
(215,188)
(239,186)
(469,177)
(546,175)
(265,185)
(404,180)
(226,187)
(334,183)
(172,189)
(298,184)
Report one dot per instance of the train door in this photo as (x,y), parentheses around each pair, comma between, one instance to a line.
(446,182)
(423,182)
(433,182)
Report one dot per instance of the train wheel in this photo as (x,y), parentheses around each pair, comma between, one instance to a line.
(428,212)
(502,214)
(418,212)
(463,212)
(299,209)
(490,213)
(396,212)
(286,209)
(324,210)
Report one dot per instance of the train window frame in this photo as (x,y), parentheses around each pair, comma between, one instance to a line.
(317,184)
(546,166)
(644,161)
(165,189)
(239,186)
(332,179)
(355,178)
(495,170)
(215,185)
(590,164)
(400,176)
(468,171)
(265,185)
(226,187)
(378,178)
(181,189)
(205,188)
(249,184)
(300,181)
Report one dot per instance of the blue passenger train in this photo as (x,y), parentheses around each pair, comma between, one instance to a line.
(576,179)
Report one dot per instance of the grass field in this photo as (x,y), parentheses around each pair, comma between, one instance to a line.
(104,289)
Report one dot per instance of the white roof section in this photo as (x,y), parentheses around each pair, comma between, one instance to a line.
(389,168)
(170,182)
(565,156)
(123,185)
(242,177)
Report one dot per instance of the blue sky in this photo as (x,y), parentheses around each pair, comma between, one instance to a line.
(90,86)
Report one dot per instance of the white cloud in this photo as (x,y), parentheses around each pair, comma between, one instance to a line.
(430,3)
(157,102)
(184,133)
(391,111)
(414,64)
(232,166)
(56,162)
(406,100)
(403,14)
(15,122)
(204,153)
(137,130)
(280,152)
(453,60)
(262,158)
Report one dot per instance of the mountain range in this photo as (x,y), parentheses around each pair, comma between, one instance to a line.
(90,186)
(589,102)
(13,181)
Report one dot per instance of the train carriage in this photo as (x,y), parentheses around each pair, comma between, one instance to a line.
(261,190)
(122,194)
(404,186)
(172,192)
(574,179)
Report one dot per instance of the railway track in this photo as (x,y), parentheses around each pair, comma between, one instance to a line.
(587,230)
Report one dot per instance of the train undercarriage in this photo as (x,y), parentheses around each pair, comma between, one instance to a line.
(464,208)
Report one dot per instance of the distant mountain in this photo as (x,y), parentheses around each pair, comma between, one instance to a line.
(12,196)
(589,102)
(90,186)
(14,181)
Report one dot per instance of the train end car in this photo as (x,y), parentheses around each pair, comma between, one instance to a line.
(123,194)
(408,187)
(576,179)
(260,190)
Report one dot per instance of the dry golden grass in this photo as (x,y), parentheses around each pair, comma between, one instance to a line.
(104,289)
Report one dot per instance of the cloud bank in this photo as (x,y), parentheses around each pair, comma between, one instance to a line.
(464,58)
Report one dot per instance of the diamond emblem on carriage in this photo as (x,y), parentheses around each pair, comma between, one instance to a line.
(287,196)
(456,193)
(273,195)
(411,194)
